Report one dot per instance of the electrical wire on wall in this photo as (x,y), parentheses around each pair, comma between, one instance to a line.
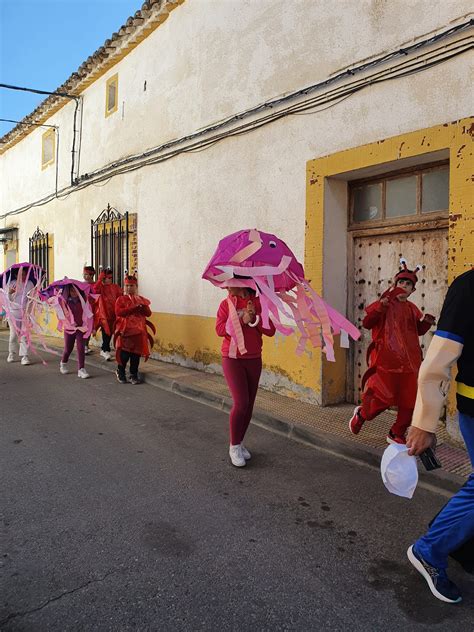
(65,95)
(209,136)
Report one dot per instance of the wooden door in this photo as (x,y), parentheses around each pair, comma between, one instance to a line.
(376,261)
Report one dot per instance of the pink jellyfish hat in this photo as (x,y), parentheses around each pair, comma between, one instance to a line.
(264,263)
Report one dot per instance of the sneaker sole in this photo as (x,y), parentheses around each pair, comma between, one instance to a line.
(238,464)
(421,569)
(350,427)
(391,441)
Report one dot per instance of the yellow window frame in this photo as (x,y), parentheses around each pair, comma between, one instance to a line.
(51,133)
(110,81)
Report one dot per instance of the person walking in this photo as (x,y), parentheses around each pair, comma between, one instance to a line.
(242,367)
(88,275)
(104,309)
(131,338)
(394,356)
(453,342)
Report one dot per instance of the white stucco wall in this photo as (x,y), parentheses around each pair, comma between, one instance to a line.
(212,59)
(209,60)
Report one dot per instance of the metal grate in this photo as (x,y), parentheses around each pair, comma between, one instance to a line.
(39,252)
(110,242)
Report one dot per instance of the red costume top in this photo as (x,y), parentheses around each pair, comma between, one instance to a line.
(252,335)
(395,346)
(131,332)
(104,307)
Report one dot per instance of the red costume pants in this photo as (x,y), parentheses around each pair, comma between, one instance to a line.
(242,378)
(385,389)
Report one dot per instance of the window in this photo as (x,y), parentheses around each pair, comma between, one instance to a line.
(111,95)
(409,196)
(40,251)
(111,239)
(48,148)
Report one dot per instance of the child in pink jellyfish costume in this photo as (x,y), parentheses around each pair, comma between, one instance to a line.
(71,300)
(265,283)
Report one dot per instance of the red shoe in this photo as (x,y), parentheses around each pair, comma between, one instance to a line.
(356,422)
(393,438)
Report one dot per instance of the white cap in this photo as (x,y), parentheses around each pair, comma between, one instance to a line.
(399,471)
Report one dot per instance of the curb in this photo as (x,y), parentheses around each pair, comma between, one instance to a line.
(441,482)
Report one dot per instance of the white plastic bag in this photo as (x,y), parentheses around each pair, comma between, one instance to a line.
(399,471)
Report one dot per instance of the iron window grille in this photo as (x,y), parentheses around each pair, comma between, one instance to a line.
(110,242)
(39,252)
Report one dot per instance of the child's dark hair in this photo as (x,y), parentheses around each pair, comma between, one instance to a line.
(67,291)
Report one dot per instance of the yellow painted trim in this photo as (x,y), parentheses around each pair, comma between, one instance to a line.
(51,133)
(98,73)
(110,81)
(456,137)
(194,338)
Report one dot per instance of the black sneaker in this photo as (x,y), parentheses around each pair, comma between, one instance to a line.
(120,377)
(134,379)
(437,579)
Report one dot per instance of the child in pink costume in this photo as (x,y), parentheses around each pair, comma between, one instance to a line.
(242,373)
(250,262)
(72,304)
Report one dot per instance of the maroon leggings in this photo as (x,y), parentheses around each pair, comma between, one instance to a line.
(242,378)
(69,340)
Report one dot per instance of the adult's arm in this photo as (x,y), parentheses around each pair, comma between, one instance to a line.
(446,347)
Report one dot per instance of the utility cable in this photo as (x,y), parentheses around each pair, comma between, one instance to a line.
(333,97)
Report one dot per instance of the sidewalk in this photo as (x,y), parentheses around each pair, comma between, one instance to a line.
(325,428)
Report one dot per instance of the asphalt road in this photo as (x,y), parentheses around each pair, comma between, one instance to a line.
(120,511)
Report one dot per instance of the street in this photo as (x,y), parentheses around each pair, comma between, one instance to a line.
(121,511)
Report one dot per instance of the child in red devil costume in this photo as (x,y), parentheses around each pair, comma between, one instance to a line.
(131,337)
(394,356)
(104,308)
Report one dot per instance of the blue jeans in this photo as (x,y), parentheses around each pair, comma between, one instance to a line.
(454,525)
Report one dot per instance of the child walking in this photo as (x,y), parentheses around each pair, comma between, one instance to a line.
(131,338)
(70,300)
(241,369)
(104,309)
(393,357)
(18,286)
(88,275)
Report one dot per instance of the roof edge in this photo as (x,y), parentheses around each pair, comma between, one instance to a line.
(136,29)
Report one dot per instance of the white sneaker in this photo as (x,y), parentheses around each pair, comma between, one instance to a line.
(25,360)
(105,355)
(87,350)
(245,453)
(63,368)
(11,357)
(235,453)
(83,374)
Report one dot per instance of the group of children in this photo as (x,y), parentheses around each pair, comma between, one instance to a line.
(394,355)
(82,309)
(394,358)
